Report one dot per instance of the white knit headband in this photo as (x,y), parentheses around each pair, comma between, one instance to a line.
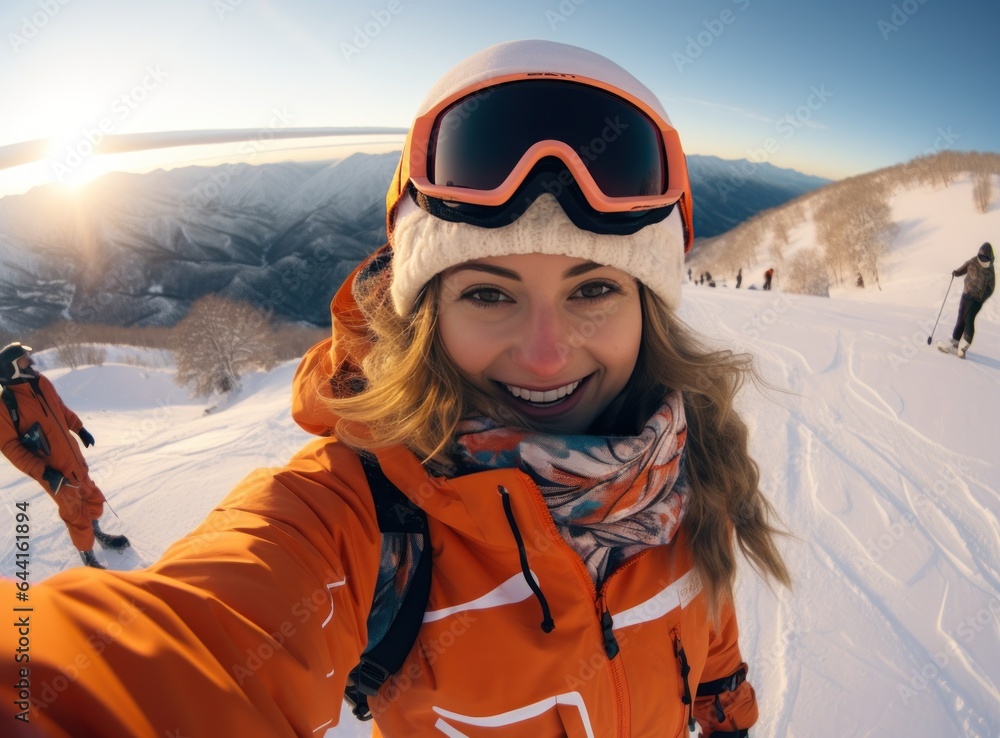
(423,246)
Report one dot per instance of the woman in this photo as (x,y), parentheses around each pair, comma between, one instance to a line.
(511,360)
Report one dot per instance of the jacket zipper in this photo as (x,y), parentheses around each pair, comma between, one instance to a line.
(604,618)
(611,645)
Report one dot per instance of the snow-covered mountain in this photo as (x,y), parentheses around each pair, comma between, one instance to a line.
(728,191)
(139,248)
(877,451)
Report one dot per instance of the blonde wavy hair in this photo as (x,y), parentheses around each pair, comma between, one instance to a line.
(412,394)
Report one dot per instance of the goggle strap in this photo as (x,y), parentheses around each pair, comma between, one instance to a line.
(570,198)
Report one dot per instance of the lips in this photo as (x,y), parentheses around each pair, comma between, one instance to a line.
(537,404)
(536,397)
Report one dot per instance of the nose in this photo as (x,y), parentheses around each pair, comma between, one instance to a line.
(545,345)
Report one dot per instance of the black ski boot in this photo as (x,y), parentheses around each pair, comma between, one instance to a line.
(90,560)
(114,542)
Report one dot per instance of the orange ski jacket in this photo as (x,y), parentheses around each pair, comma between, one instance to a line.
(38,402)
(249,625)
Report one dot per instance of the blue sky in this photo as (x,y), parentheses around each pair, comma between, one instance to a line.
(829,88)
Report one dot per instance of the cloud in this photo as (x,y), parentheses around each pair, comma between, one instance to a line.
(14,155)
(808,122)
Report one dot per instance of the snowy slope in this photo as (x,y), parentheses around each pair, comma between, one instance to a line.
(875,449)
(935,230)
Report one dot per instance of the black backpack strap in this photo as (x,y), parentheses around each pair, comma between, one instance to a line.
(11,402)
(397,514)
(726,684)
(715,688)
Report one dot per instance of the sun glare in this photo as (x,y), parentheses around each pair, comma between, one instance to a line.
(74,156)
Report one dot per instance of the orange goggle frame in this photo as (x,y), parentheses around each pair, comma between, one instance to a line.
(416,161)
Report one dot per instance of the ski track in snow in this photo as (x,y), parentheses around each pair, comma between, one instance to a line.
(891,502)
(852,466)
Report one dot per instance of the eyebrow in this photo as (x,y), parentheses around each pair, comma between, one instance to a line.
(575,271)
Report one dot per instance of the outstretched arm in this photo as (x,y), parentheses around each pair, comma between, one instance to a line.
(247,626)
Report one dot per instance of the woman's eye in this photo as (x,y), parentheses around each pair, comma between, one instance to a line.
(595,290)
(484,296)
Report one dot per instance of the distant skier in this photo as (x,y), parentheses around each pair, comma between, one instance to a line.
(767,278)
(34,436)
(739,278)
(980,280)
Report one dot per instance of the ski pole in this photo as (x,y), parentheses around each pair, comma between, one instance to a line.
(941,310)
(111,508)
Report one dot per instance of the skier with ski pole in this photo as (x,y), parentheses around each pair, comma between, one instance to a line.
(980,281)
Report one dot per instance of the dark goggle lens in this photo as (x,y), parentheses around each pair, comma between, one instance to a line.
(477,142)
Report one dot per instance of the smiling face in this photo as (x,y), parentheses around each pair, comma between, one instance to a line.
(556,336)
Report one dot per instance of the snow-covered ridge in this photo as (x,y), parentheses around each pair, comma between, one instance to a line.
(139,248)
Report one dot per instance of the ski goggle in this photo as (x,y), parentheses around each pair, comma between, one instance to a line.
(478,146)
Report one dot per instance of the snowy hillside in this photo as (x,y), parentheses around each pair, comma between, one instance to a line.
(934,230)
(877,450)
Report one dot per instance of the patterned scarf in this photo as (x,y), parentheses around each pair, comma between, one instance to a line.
(610,496)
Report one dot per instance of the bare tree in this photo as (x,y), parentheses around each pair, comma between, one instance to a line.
(853,225)
(220,340)
(75,355)
(805,273)
(871,231)
(982,190)
(830,216)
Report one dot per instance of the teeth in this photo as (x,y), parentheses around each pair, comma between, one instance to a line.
(542,397)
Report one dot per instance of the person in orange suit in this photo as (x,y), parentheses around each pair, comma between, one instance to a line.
(35,437)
